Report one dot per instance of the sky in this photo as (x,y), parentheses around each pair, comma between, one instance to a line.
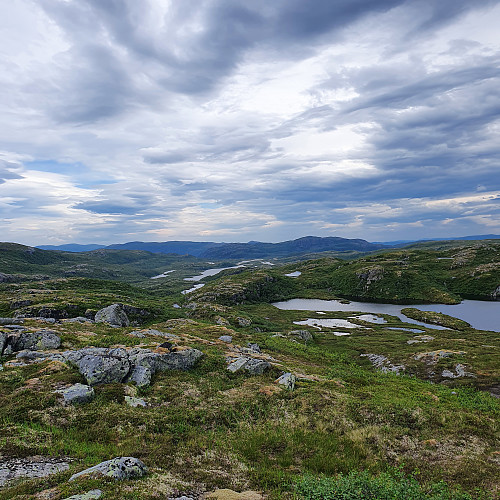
(231,120)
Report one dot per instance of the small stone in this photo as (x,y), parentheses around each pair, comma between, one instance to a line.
(254,347)
(118,468)
(244,321)
(226,338)
(238,364)
(135,402)
(288,380)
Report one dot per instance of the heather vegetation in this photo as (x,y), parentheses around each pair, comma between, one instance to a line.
(376,410)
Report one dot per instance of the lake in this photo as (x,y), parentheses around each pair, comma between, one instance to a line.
(482,315)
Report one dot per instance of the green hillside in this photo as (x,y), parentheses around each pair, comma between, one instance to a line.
(378,411)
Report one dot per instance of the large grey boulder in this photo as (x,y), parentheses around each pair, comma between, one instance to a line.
(77,394)
(251,365)
(118,468)
(256,366)
(113,315)
(99,365)
(40,340)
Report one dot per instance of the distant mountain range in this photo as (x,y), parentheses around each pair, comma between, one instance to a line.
(252,249)
(255,249)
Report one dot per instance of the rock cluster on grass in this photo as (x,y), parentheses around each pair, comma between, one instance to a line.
(459,372)
(118,468)
(383,364)
(101,365)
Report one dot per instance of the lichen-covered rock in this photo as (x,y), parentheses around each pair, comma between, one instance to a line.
(244,321)
(40,340)
(99,365)
(252,365)
(383,364)
(90,495)
(459,372)
(78,394)
(288,380)
(30,467)
(10,321)
(135,402)
(118,468)
(237,364)
(226,338)
(301,334)
(113,315)
(141,376)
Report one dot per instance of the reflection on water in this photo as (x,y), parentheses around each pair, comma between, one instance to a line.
(483,315)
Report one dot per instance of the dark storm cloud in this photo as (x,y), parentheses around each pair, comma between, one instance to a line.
(100,78)
(210,112)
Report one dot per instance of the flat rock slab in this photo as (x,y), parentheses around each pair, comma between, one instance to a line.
(28,468)
(118,468)
(90,495)
(77,394)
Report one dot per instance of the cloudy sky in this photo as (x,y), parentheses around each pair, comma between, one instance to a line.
(232,120)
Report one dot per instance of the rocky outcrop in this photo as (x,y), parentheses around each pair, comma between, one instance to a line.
(10,321)
(39,340)
(118,468)
(383,364)
(459,372)
(113,315)
(30,467)
(101,365)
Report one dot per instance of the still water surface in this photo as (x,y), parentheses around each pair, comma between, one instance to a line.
(482,315)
